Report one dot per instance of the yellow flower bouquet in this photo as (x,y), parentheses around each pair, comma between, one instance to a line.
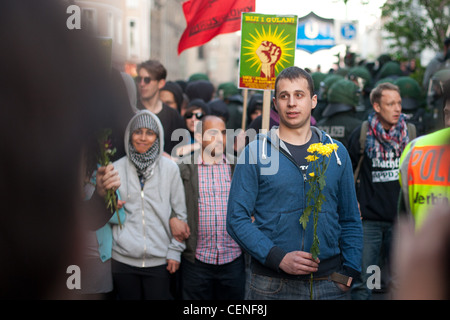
(319,160)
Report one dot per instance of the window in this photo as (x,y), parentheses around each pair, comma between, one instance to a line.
(110,25)
(119,31)
(201,53)
(133,4)
(133,37)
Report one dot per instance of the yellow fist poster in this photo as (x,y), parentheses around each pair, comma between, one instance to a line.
(267,46)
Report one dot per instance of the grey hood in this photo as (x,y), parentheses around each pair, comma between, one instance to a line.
(160,135)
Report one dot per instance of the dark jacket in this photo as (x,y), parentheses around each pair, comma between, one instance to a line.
(339,126)
(189,176)
(377,188)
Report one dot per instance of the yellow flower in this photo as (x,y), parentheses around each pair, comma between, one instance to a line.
(333,146)
(325,150)
(311,158)
(314,147)
(322,149)
(312,174)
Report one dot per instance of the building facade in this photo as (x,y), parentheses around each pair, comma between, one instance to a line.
(150,29)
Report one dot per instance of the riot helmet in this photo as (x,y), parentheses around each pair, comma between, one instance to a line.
(411,93)
(343,96)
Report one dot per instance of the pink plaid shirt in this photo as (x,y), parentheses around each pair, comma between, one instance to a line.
(214,244)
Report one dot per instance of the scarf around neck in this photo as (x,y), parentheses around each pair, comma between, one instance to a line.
(144,162)
(383,144)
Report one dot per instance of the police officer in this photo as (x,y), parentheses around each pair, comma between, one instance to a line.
(390,69)
(339,118)
(414,105)
(318,77)
(231,95)
(435,97)
(322,94)
(424,168)
(361,76)
(439,62)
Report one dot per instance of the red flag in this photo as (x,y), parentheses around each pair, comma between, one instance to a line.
(208,18)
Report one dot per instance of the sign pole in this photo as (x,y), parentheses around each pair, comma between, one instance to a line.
(244,111)
(266,111)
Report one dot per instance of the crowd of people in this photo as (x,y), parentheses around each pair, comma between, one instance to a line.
(203,222)
(201,217)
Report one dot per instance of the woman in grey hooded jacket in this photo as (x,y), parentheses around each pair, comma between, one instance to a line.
(144,250)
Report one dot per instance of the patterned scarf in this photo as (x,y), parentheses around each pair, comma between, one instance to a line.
(380,144)
(144,162)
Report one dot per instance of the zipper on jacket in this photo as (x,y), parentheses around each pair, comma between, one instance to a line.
(143,227)
(304,185)
(304,180)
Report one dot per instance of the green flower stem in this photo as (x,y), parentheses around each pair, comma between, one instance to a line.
(314,196)
(106,151)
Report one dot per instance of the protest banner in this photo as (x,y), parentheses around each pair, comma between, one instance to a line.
(268,45)
(206,19)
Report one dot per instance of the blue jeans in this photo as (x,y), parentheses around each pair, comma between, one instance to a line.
(202,281)
(377,246)
(271,288)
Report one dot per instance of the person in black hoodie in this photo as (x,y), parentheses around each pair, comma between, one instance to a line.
(377,186)
(55,96)
(150,81)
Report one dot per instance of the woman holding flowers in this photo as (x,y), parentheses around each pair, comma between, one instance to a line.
(144,251)
(281,179)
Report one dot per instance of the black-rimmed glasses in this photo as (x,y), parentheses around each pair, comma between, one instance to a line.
(189,115)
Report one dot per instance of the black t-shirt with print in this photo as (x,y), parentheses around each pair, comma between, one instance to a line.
(299,152)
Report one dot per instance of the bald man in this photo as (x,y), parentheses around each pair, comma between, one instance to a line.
(212,266)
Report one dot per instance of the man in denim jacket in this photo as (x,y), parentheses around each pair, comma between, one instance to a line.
(270,185)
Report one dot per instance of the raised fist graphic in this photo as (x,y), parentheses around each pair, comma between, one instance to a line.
(269,54)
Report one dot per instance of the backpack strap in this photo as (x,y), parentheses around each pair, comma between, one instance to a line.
(362,145)
(412,131)
(363,136)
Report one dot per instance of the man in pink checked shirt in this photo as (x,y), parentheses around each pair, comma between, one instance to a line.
(212,266)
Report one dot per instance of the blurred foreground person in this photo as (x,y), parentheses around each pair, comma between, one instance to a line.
(96,281)
(422,258)
(53,95)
